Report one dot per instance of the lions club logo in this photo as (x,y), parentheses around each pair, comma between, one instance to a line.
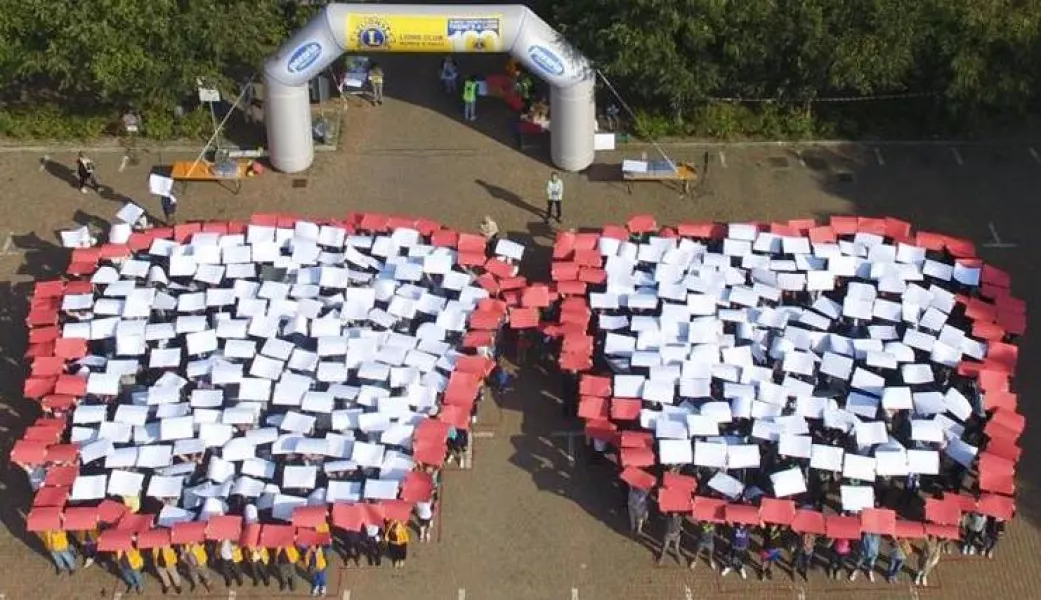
(374,34)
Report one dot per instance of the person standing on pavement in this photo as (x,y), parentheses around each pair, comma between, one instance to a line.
(975,525)
(899,550)
(928,559)
(490,230)
(286,558)
(376,81)
(637,505)
(88,544)
(193,559)
(470,99)
(449,75)
(57,543)
(374,545)
(317,564)
(130,564)
(230,558)
(804,555)
(164,559)
(425,515)
(840,548)
(397,543)
(258,558)
(771,552)
(673,538)
(169,205)
(994,531)
(870,544)
(706,543)
(86,171)
(740,539)
(554,196)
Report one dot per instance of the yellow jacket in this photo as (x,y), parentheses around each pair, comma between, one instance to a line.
(55,541)
(198,551)
(291,554)
(397,534)
(259,555)
(169,557)
(132,558)
(316,559)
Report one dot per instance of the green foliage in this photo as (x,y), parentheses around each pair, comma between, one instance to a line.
(977,59)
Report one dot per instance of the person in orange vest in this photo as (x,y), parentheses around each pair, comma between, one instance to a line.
(230,557)
(258,559)
(57,543)
(130,564)
(286,558)
(164,559)
(397,543)
(316,564)
(194,559)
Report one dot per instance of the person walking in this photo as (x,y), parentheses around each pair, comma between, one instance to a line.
(193,560)
(169,205)
(840,549)
(57,543)
(737,556)
(928,559)
(804,555)
(554,196)
(317,563)
(130,564)
(164,559)
(376,82)
(286,558)
(86,171)
(397,543)
(870,544)
(637,505)
(706,543)
(899,550)
(230,558)
(672,539)
(470,99)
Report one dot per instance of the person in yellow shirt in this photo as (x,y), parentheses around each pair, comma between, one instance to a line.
(397,543)
(193,558)
(258,560)
(317,564)
(164,559)
(130,563)
(57,543)
(230,558)
(286,558)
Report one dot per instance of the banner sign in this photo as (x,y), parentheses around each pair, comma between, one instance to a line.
(423,33)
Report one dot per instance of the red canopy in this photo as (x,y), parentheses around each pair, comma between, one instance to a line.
(777,511)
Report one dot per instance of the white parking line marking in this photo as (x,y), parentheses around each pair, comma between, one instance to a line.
(687,594)
(232,594)
(570,435)
(878,157)
(484,434)
(722,159)
(957,156)
(997,242)
(462,594)
(117,596)
(1033,153)
(574,593)
(346,595)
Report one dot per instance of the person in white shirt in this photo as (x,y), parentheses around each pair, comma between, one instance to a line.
(554,196)
(425,512)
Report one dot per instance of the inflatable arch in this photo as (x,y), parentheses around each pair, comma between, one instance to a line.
(373,28)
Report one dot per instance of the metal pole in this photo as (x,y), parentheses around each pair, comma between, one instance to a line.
(213,118)
(632,114)
(218,128)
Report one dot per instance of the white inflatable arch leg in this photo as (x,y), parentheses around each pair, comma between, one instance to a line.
(520,32)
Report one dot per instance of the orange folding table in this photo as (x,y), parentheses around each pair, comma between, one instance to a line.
(187,171)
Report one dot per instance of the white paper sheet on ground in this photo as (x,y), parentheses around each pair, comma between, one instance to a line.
(670,429)
(800,446)
(836,365)
(299,477)
(789,482)
(258,467)
(344,491)
(925,462)
(155,456)
(165,487)
(219,470)
(856,498)
(890,463)
(367,455)
(177,428)
(698,425)
(121,457)
(189,446)
(916,374)
(871,432)
(926,430)
(867,381)
(674,452)
(381,489)
(248,487)
(125,483)
(826,458)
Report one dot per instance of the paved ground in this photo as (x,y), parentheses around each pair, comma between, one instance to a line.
(527,522)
